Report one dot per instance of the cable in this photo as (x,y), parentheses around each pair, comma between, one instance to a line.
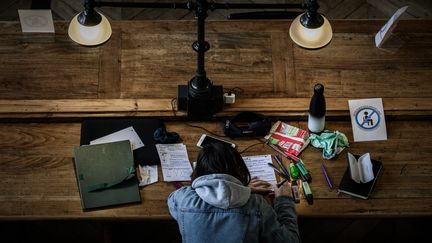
(250,146)
(238,89)
(191,125)
(204,129)
(261,140)
(172,106)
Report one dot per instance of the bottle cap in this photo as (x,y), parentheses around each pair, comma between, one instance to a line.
(319,89)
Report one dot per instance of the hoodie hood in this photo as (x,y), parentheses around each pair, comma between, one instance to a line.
(221,190)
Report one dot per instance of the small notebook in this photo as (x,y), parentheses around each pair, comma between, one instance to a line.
(105,174)
(360,190)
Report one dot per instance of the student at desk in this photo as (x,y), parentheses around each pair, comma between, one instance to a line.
(223,204)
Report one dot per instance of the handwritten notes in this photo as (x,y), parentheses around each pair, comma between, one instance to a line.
(174,162)
(258,167)
(176,166)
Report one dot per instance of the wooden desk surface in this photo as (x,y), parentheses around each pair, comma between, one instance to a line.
(38,181)
(136,74)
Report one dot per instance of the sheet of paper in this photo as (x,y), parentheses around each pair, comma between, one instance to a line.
(258,167)
(386,30)
(36,20)
(175,162)
(148,174)
(367,119)
(128,133)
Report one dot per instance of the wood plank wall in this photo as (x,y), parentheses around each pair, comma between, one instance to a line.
(334,9)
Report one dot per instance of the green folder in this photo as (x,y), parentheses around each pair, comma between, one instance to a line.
(105,174)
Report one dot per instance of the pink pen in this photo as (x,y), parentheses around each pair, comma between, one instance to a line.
(326,176)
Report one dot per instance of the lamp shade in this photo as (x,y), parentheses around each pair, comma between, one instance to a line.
(90,35)
(311,38)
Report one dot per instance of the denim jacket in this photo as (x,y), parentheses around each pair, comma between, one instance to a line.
(218,208)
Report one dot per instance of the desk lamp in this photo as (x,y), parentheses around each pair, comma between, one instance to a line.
(200,98)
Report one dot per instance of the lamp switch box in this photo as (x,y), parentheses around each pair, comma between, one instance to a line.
(182,97)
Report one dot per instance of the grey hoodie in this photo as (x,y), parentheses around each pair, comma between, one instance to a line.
(218,208)
(222,191)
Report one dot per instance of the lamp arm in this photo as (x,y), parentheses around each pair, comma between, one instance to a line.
(184,5)
(214,5)
(191,5)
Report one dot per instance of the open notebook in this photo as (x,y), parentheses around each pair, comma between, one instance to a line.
(359,190)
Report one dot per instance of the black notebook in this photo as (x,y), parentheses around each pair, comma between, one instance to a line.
(105,174)
(360,190)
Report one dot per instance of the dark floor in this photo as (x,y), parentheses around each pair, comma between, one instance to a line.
(312,230)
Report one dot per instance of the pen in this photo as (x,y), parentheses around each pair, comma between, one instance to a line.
(282,166)
(276,149)
(326,176)
(277,171)
(288,156)
(281,183)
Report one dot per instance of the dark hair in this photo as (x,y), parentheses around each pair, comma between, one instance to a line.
(215,158)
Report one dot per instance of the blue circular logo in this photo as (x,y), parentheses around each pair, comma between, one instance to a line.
(367,117)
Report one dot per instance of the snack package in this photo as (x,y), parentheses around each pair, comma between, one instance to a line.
(289,139)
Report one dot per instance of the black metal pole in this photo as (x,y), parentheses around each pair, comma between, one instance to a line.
(200,85)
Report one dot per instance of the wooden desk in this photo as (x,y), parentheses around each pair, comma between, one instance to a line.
(48,84)
(38,180)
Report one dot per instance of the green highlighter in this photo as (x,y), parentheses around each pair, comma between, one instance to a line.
(294,171)
(303,171)
(307,192)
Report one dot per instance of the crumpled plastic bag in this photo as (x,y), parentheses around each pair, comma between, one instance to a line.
(332,142)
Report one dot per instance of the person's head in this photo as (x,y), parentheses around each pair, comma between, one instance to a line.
(219,158)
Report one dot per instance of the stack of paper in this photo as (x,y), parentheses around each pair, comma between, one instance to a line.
(128,133)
